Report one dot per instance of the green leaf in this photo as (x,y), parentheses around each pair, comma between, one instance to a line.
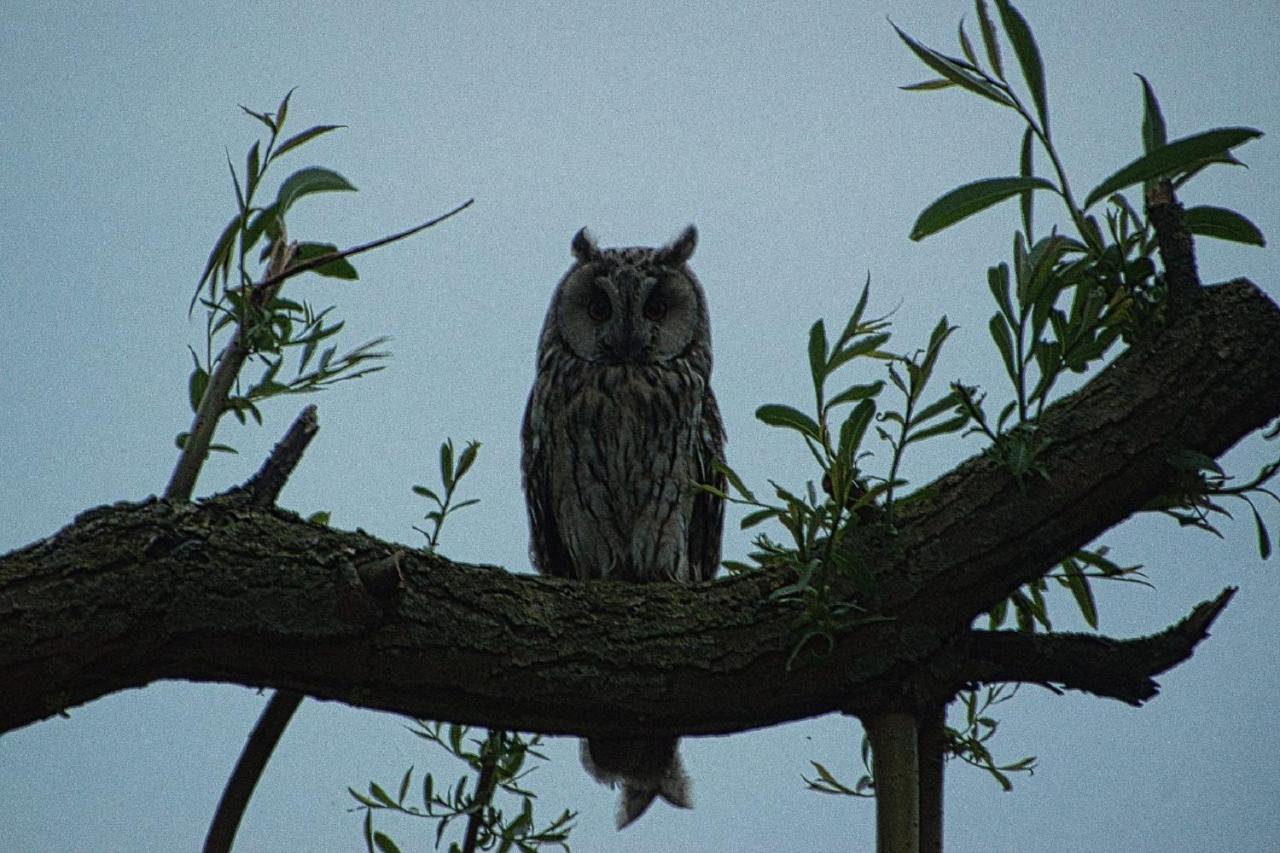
(320,517)
(969,199)
(1264,538)
(404,785)
(304,137)
(998,282)
(1024,47)
(856,392)
(1153,129)
(262,117)
(952,425)
(251,169)
(467,459)
(380,795)
(777,415)
(337,268)
(220,255)
(1170,158)
(965,47)
(869,345)
(283,109)
(1081,591)
(1223,224)
(196,384)
(751,519)
(314,179)
(385,844)
(733,478)
(953,70)
(446,461)
(1004,342)
(948,401)
(1026,169)
(818,354)
(989,39)
(928,85)
(853,429)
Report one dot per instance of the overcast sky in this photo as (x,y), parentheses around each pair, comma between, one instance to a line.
(778,129)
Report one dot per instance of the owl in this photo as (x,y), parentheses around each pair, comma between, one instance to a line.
(620,427)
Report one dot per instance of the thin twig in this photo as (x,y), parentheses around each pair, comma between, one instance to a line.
(321,260)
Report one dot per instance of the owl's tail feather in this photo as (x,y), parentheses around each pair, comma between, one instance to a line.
(646,769)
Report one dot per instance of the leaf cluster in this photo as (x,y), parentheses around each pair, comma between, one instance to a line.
(451,475)
(255,316)
(500,762)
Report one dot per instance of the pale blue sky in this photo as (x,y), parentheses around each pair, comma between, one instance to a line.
(778,129)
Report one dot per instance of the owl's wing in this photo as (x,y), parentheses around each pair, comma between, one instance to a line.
(546,548)
(707,522)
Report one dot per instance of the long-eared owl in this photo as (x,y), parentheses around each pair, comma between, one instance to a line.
(621,425)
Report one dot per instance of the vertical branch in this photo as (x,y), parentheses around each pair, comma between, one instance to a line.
(896,765)
(931,741)
(262,490)
(1177,250)
(214,402)
(485,786)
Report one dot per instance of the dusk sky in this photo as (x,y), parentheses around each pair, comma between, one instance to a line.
(780,131)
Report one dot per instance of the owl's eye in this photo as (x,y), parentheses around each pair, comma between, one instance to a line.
(655,307)
(599,308)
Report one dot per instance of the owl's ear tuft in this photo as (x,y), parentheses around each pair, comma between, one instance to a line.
(584,246)
(680,250)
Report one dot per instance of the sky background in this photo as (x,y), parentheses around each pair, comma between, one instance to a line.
(778,129)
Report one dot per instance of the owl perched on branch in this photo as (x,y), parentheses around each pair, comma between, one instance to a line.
(620,427)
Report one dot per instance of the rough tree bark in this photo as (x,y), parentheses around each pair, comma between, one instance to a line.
(222,591)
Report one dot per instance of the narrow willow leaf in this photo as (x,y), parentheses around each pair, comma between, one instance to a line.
(998,282)
(952,70)
(1026,169)
(853,429)
(337,268)
(283,109)
(733,478)
(1004,342)
(314,179)
(818,353)
(446,460)
(1173,157)
(989,39)
(928,85)
(1024,47)
(751,519)
(304,137)
(965,47)
(1222,223)
(856,392)
(946,402)
(384,844)
(1081,591)
(969,199)
(869,346)
(855,319)
(784,416)
(252,165)
(955,424)
(1153,129)
(1264,538)
(262,117)
(220,253)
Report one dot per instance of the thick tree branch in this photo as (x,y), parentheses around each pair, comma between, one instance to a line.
(1115,669)
(225,592)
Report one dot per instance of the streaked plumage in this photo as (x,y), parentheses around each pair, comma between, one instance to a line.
(620,425)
